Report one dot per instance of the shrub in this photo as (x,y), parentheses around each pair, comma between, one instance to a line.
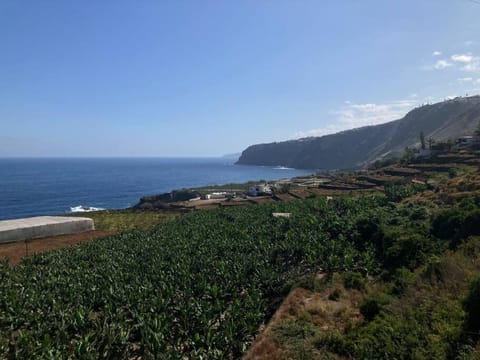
(396,192)
(353,280)
(471,224)
(332,341)
(448,224)
(406,248)
(372,305)
(456,225)
(368,232)
(335,295)
(291,330)
(472,306)
(402,279)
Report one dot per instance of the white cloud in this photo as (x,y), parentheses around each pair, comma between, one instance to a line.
(353,115)
(441,64)
(473,66)
(465,79)
(436,53)
(463,58)
(465,62)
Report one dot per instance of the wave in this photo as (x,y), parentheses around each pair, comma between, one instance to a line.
(283,168)
(81,208)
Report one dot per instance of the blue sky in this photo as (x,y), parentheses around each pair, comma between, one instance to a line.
(206,78)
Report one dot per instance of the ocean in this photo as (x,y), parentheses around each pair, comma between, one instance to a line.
(55,186)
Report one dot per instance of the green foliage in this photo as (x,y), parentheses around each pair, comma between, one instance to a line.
(292,330)
(195,287)
(333,342)
(430,330)
(456,224)
(402,279)
(406,247)
(200,285)
(372,305)
(397,192)
(472,307)
(352,280)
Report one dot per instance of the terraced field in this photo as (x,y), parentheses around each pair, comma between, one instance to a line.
(198,286)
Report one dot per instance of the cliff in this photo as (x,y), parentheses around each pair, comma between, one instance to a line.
(354,148)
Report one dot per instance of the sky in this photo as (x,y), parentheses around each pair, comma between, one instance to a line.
(207,78)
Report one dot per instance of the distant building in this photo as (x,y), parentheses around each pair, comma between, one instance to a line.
(260,189)
(219,195)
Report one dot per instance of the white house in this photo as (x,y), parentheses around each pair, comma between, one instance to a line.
(260,189)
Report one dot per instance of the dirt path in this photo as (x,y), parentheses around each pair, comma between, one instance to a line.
(16,251)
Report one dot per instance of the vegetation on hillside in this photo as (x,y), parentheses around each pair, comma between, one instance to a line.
(391,275)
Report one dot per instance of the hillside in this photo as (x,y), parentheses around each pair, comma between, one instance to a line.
(361,275)
(353,148)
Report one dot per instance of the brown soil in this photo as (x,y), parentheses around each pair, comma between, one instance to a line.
(16,251)
(314,307)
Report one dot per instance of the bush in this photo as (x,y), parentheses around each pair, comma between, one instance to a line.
(406,248)
(335,295)
(448,224)
(368,232)
(397,192)
(456,224)
(332,341)
(353,280)
(471,306)
(471,224)
(372,305)
(402,279)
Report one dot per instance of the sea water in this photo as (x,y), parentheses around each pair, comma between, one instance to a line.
(30,187)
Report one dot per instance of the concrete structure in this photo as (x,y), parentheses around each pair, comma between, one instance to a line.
(281,215)
(260,189)
(42,226)
(219,195)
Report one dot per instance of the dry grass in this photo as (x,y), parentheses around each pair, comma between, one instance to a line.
(316,309)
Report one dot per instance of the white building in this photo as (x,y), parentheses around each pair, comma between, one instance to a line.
(260,189)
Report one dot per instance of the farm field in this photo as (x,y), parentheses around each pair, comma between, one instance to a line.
(107,222)
(206,284)
(197,286)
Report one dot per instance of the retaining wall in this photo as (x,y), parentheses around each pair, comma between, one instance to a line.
(42,226)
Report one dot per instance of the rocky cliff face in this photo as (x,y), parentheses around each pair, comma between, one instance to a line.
(353,148)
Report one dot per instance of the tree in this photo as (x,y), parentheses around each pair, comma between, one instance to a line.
(422,140)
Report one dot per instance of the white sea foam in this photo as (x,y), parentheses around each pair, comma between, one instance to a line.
(282,168)
(81,208)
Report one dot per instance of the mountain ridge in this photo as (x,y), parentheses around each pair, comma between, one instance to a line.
(357,147)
